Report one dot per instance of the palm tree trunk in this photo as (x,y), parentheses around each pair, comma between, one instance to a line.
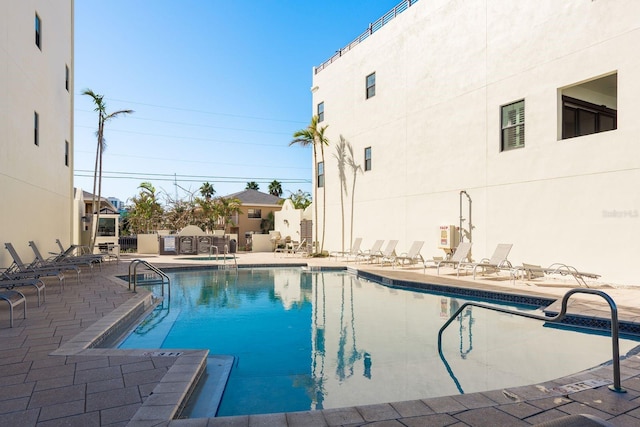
(94,221)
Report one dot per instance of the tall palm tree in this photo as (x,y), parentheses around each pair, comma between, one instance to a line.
(341,156)
(103,117)
(275,188)
(252,186)
(312,135)
(351,161)
(207,191)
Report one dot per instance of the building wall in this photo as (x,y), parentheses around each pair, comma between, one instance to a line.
(443,70)
(246,224)
(35,184)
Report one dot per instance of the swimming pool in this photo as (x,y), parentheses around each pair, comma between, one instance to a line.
(304,340)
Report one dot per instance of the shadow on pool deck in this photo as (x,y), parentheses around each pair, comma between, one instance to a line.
(50,375)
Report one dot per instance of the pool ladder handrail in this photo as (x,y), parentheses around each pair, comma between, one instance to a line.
(226,252)
(135,263)
(556,319)
(224,258)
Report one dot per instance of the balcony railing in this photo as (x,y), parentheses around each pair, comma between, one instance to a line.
(373,27)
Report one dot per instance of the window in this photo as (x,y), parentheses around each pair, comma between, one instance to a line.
(589,107)
(38,32)
(321,112)
(371,85)
(320,174)
(254,213)
(512,126)
(66,77)
(66,153)
(36,139)
(106,227)
(367,159)
(583,118)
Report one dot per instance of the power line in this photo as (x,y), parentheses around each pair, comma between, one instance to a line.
(84,173)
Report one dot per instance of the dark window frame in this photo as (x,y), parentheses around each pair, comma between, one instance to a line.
(66,77)
(254,213)
(38,31)
(513,130)
(36,128)
(66,153)
(320,111)
(370,85)
(320,175)
(367,159)
(575,107)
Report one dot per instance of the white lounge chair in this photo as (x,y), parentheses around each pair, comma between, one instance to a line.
(532,271)
(353,252)
(461,253)
(413,256)
(497,262)
(388,255)
(368,255)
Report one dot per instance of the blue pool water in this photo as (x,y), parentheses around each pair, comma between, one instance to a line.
(305,340)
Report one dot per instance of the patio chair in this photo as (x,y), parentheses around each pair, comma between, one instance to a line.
(388,255)
(413,256)
(368,255)
(496,263)
(461,253)
(301,248)
(20,270)
(532,272)
(66,264)
(9,283)
(353,252)
(14,298)
(76,252)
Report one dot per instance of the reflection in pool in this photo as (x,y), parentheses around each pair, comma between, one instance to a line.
(307,340)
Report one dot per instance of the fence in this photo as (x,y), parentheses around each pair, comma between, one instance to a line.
(373,27)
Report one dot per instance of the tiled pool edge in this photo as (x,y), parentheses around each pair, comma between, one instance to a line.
(171,394)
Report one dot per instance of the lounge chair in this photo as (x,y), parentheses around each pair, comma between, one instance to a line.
(14,298)
(388,255)
(461,253)
(282,245)
(301,248)
(353,252)
(532,271)
(497,262)
(9,283)
(65,263)
(76,252)
(20,270)
(369,255)
(412,257)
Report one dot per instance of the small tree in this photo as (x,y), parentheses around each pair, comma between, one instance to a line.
(300,199)
(146,212)
(225,209)
(252,186)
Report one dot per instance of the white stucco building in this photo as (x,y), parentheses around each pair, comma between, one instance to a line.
(529,107)
(36,124)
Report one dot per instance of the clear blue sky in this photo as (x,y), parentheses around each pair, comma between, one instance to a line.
(218,88)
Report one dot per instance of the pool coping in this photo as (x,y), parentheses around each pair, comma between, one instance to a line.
(171,394)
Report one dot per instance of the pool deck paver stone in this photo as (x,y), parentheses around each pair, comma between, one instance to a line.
(50,375)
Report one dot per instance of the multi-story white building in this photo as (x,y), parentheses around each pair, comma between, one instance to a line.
(519,117)
(36,124)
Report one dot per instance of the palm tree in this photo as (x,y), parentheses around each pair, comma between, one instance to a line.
(300,199)
(351,161)
(225,209)
(252,186)
(103,117)
(275,188)
(341,156)
(207,191)
(311,135)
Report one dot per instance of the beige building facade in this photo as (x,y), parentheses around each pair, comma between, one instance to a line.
(526,107)
(36,123)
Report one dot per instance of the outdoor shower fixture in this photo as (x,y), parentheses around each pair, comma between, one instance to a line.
(462,219)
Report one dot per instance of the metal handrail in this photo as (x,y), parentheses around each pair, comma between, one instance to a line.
(135,263)
(373,27)
(614,328)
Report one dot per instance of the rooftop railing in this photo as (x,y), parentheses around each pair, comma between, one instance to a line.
(373,27)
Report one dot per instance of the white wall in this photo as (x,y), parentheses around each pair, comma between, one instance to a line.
(443,70)
(35,185)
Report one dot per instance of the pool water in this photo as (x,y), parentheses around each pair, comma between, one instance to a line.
(305,340)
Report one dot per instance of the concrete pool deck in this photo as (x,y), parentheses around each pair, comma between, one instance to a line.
(50,376)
